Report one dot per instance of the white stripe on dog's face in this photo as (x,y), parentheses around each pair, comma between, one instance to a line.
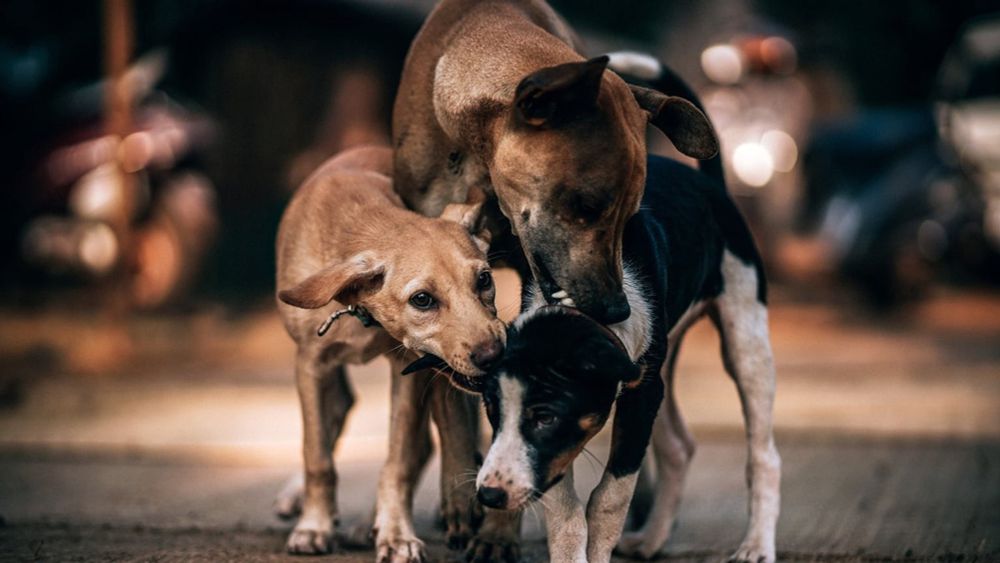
(508,463)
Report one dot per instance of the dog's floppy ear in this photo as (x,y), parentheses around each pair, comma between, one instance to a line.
(683,123)
(470,216)
(598,353)
(345,282)
(607,359)
(557,94)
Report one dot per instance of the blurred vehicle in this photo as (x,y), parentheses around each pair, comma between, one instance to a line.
(908,195)
(135,206)
(761,110)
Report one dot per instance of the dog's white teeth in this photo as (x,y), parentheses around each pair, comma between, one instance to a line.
(561,294)
(568,302)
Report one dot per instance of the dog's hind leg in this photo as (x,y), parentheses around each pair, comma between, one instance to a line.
(673,448)
(746,349)
(326,398)
(395,539)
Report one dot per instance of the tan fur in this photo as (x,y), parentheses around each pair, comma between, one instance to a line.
(457,127)
(347,213)
(346,235)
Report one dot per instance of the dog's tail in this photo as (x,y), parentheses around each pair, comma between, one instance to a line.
(646,70)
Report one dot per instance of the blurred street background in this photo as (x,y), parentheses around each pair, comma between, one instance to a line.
(147,409)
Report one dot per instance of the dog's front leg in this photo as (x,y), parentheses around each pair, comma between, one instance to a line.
(565,522)
(673,448)
(326,397)
(607,509)
(455,416)
(395,539)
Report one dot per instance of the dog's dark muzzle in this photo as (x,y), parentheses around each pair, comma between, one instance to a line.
(615,310)
(610,309)
(606,307)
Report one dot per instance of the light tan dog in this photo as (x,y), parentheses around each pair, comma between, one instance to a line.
(347,241)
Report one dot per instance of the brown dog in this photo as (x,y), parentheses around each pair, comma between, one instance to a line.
(495,96)
(346,240)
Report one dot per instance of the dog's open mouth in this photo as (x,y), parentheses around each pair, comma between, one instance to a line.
(460,380)
(553,294)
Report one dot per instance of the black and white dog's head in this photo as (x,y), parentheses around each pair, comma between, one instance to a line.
(549,395)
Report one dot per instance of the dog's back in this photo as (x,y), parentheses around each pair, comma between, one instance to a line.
(676,241)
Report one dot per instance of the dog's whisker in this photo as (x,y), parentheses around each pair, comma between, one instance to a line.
(465,482)
(534,510)
(541,500)
(594,459)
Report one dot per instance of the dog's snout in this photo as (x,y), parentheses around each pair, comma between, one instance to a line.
(486,354)
(616,310)
(493,497)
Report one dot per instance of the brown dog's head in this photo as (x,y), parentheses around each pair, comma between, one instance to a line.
(427,283)
(570,168)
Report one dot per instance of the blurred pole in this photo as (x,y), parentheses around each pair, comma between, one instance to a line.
(118,43)
(118,39)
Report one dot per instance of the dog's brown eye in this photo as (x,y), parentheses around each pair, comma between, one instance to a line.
(484,281)
(422,300)
(543,419)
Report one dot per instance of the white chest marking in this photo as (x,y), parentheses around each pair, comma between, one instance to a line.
(635,332)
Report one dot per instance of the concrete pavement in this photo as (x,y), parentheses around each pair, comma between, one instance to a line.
(889,430)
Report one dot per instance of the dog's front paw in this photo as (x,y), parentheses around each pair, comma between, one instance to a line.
(492,550)
(360,535)
(400,550)
(460,521)
(753,552)
(637,545)
(288,503)
(308,539)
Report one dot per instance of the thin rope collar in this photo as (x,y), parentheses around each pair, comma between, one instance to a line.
(356,311)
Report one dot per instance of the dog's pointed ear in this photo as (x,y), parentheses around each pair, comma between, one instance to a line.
(347,282)
(557,94)
(472,217)
(683,123)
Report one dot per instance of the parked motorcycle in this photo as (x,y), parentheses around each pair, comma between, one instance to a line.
(90,181)
(907,196)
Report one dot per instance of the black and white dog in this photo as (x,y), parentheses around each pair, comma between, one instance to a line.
(688,253)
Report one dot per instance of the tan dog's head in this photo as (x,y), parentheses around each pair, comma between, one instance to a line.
(427,283)
(569,170)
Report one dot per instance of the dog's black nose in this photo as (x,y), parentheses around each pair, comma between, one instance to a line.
(616,310)
(492,497)
(486,354)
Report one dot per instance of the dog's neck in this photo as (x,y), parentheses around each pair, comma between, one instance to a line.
(635,332)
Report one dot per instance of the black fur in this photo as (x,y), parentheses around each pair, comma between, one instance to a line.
(568,363)
(674,245)
(551,413)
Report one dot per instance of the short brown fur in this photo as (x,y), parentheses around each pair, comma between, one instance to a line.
(346,239)
(500,86)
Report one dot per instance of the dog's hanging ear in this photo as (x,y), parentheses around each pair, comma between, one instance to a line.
(606,358)
(557,94)
(592,351)
(472,217)
(346,282)
(683,123)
